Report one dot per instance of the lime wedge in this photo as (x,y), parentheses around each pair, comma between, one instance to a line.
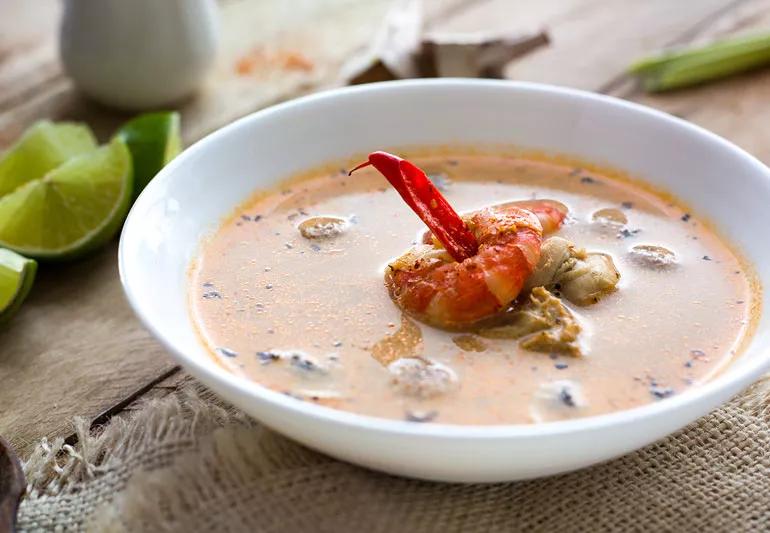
(154,140)
(16,276)
(42,148)
(71,209)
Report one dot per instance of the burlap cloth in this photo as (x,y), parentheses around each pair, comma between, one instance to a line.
(189,463)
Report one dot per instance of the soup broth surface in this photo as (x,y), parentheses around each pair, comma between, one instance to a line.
(311,317)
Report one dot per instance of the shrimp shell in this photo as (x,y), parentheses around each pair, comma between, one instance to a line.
(429,285)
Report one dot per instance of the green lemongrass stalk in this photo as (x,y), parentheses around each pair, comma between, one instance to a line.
(676,69)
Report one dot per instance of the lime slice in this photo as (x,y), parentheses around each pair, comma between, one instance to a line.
(73,208)
(154,140)
(42,148)
(16,276)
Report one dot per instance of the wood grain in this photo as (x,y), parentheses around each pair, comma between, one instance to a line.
(703,22)
(596,41)
(75,349)
(735,108)
(592,41)
(75,346)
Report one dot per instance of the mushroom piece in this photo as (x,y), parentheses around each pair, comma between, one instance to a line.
(655,257)
(558,400)
(322,227)
(554,254)
(421,379)
(581,277)
(588,280)
(610,215)
(544,324)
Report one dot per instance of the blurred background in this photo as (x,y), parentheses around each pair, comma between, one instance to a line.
(263,51)
(76,348)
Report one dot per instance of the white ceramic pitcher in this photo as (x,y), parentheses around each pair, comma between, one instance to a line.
(138,54)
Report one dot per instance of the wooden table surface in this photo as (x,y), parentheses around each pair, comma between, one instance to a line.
(76,349)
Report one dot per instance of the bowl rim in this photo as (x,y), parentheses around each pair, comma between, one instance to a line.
(705,393)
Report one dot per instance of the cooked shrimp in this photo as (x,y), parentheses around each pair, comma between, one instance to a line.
(429,285)
(469,267)
(550,213)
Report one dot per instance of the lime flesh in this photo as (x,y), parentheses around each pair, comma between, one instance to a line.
(17,274)
(42,148)
(71,209)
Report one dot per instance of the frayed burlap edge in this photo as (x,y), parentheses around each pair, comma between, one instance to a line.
(187,462)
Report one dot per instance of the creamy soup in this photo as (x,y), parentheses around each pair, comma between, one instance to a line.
(308,314)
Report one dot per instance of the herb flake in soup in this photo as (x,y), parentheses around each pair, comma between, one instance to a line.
(596,293)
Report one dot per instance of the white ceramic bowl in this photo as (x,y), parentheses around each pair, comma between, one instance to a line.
(190,196)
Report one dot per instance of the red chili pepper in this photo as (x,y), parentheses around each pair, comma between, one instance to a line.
(425,200)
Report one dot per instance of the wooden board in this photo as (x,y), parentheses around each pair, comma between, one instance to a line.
(76,349)
(592,41)
(735,108)
(74,346)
